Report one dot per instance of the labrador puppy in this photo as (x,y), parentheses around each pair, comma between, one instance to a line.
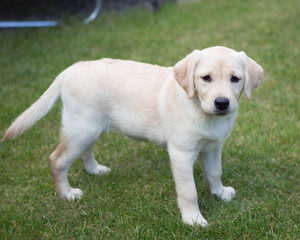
(189,109)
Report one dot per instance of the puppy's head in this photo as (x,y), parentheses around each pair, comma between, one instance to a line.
(217,76)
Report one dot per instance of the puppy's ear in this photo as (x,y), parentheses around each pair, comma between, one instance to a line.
(254,74)
(184,72)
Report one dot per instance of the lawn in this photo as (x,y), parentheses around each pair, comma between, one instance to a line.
(137,200)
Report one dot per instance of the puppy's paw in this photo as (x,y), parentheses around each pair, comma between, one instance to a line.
(195,220)
(99,170)
(74,193)
(227,194)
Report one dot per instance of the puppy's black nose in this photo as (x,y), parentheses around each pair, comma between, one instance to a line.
(222,103)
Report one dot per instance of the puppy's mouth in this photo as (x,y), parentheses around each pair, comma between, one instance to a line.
(213,110)
(221,112)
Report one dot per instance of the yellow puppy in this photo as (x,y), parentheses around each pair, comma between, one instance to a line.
(189,109)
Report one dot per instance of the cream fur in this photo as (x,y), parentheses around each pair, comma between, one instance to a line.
(171,106)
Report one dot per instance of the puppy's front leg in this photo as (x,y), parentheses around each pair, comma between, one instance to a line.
(212,168)
(182,166)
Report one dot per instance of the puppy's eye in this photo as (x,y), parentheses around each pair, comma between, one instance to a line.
(206,78)
(234,79)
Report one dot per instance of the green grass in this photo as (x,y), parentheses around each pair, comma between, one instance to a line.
(137,200)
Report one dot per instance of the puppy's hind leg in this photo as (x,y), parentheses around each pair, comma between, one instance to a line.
(91,165)
(74,144)
(82,125)
(60,162)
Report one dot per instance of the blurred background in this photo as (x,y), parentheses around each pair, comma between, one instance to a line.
(29,10)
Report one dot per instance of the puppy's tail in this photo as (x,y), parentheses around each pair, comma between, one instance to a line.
(37,110)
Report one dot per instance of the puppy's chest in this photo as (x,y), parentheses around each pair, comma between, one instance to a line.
(212,134)
(206,144)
